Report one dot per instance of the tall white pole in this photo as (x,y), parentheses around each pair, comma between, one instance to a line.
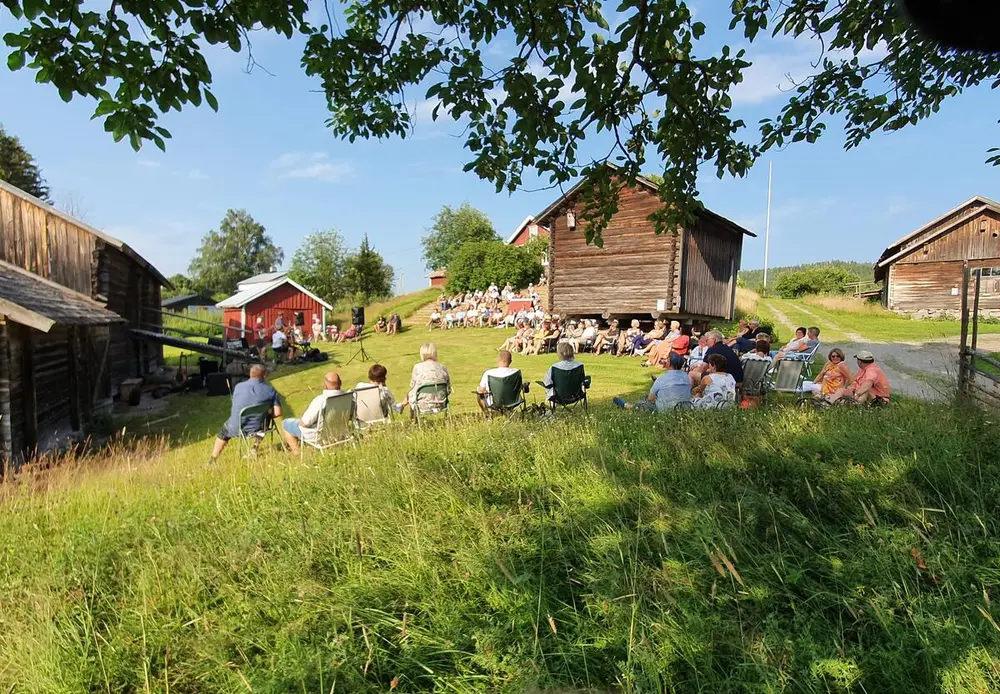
(767,224)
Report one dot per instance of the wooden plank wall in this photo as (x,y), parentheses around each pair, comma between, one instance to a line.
(928,286)
(924,278)
(33,238)
(711,261)
(134,294)
(976,239)
(635,268)
(950,219)
(52,367)
(11,414)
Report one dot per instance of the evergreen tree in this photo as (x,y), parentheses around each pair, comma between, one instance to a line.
(367,275)
(18,168)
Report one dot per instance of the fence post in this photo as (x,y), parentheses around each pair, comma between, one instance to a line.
(963,354)
(975,322)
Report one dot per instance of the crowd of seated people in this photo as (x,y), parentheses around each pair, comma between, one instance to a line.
(488,309)
(707,376)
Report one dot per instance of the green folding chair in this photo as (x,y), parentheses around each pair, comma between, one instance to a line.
(337,424)
(250,441)
(431,400)
(506,395)
(569,388)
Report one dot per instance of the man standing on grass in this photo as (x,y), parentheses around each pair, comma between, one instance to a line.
(502,370)
(307,427)
(250,393)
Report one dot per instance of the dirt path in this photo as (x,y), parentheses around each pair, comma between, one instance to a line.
(927,370)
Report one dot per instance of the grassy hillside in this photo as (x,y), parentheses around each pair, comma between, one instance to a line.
(754,279)
(730,551)
(405,305)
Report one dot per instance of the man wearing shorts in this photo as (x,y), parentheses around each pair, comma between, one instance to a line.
(256,391)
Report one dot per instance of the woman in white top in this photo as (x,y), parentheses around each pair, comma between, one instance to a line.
(717,388)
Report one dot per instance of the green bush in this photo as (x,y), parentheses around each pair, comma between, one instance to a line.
(821,280)
(480,263)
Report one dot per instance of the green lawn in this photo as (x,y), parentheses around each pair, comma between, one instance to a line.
(767,550)
(872,322)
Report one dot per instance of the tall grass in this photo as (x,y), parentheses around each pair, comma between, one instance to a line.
(741,551)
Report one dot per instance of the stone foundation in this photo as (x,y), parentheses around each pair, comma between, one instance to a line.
(947,314)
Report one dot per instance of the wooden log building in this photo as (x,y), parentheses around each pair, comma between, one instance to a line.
(113,290)
(921,273)
(689,276)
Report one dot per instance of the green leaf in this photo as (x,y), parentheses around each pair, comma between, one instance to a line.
(213,103)
(104,108)
(15,61)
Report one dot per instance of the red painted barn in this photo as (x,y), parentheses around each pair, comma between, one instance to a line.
(266,297)
(527,230)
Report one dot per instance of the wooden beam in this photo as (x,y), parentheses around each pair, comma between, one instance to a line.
(24,316)
(75,418)
(29,395)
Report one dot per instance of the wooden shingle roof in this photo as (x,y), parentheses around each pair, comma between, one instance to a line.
(38,303)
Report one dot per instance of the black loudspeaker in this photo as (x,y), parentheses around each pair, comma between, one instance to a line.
(358,315)
(218,384)
(207,366)
(300,318)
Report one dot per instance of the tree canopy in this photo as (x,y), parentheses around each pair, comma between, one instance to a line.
(481,263)
(240,249)
(366,275)
(318,265)
(657,81)
(451,229)
(18,167)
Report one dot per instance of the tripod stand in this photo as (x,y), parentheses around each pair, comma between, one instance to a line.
(362,352)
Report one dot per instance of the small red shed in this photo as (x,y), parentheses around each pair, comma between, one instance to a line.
(266,296)
(438,278)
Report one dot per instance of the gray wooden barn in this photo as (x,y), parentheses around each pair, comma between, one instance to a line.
(69,296)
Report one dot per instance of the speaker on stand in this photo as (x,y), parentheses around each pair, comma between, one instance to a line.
(358,320)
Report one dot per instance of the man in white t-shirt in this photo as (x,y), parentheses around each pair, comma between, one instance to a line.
(307,427)
(502,370)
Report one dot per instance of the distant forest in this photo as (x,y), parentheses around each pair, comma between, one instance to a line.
(754,279)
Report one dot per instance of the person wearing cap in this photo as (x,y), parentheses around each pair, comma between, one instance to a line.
(870,385)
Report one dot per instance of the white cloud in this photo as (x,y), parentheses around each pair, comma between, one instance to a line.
(197,175)
(149,164)
(771,75)
(315,165)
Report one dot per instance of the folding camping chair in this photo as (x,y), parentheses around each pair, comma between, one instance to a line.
(755,378)
(250,441)
(787,376)
(807,357)
(421,409)
(506,395)
(370,408)
(337,425)
(569,388)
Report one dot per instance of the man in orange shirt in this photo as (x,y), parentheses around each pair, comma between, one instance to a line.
(870,386)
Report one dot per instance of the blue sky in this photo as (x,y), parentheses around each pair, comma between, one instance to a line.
(268,151)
